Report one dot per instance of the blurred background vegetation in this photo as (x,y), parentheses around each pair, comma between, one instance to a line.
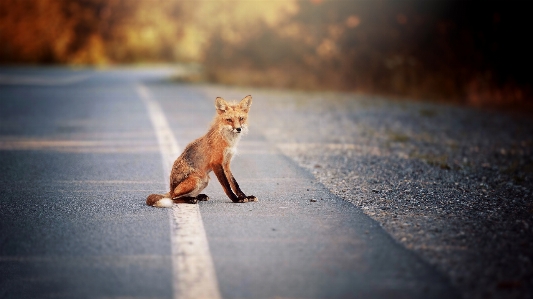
(472,52)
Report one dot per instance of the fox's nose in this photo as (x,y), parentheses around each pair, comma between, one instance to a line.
(238,129)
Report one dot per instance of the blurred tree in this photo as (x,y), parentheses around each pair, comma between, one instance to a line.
(26,29)
(88,31)
(450,50)
(462,50)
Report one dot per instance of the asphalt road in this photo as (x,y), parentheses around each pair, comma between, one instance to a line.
(78,157)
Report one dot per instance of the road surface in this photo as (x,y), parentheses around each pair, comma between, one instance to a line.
(80,151)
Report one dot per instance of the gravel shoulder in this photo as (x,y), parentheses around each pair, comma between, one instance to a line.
(453,184)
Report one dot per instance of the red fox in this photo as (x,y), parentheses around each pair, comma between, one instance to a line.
(212,152)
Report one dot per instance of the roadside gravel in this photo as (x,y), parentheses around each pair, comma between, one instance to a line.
(453,184)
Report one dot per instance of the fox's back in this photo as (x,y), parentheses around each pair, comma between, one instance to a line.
(195,156)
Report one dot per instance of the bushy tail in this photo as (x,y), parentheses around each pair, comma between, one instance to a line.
(159,200)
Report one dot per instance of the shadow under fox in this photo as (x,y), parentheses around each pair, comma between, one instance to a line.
(211,152)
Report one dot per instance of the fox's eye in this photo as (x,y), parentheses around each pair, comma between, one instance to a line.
(241,118)
(229,120)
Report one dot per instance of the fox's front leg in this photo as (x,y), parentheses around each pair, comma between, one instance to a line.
(223,179)
(235,186)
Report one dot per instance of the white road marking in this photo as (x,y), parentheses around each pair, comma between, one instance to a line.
(167,142)
(42,81)
(193,269)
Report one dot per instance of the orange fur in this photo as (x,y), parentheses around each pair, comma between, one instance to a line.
(212,152)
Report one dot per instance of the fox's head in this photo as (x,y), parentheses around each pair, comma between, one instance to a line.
(233,117)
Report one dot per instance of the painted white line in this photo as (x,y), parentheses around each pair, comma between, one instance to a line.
(193,269)
(167,142)
(41,81)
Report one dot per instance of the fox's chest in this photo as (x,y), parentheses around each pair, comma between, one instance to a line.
(229,152)
(231,147)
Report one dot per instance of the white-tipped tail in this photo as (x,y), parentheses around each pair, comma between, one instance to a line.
(164,202)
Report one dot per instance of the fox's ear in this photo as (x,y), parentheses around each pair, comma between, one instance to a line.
(246,103)
(221,105)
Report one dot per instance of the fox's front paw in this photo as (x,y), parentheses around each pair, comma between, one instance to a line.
(251,198)
(241,199)
(246,199)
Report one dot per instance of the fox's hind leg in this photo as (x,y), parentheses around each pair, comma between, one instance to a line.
(185,199)
(188,190)
(192,200)
(202,197)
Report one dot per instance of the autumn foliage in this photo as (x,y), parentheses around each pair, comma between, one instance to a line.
(466,51)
